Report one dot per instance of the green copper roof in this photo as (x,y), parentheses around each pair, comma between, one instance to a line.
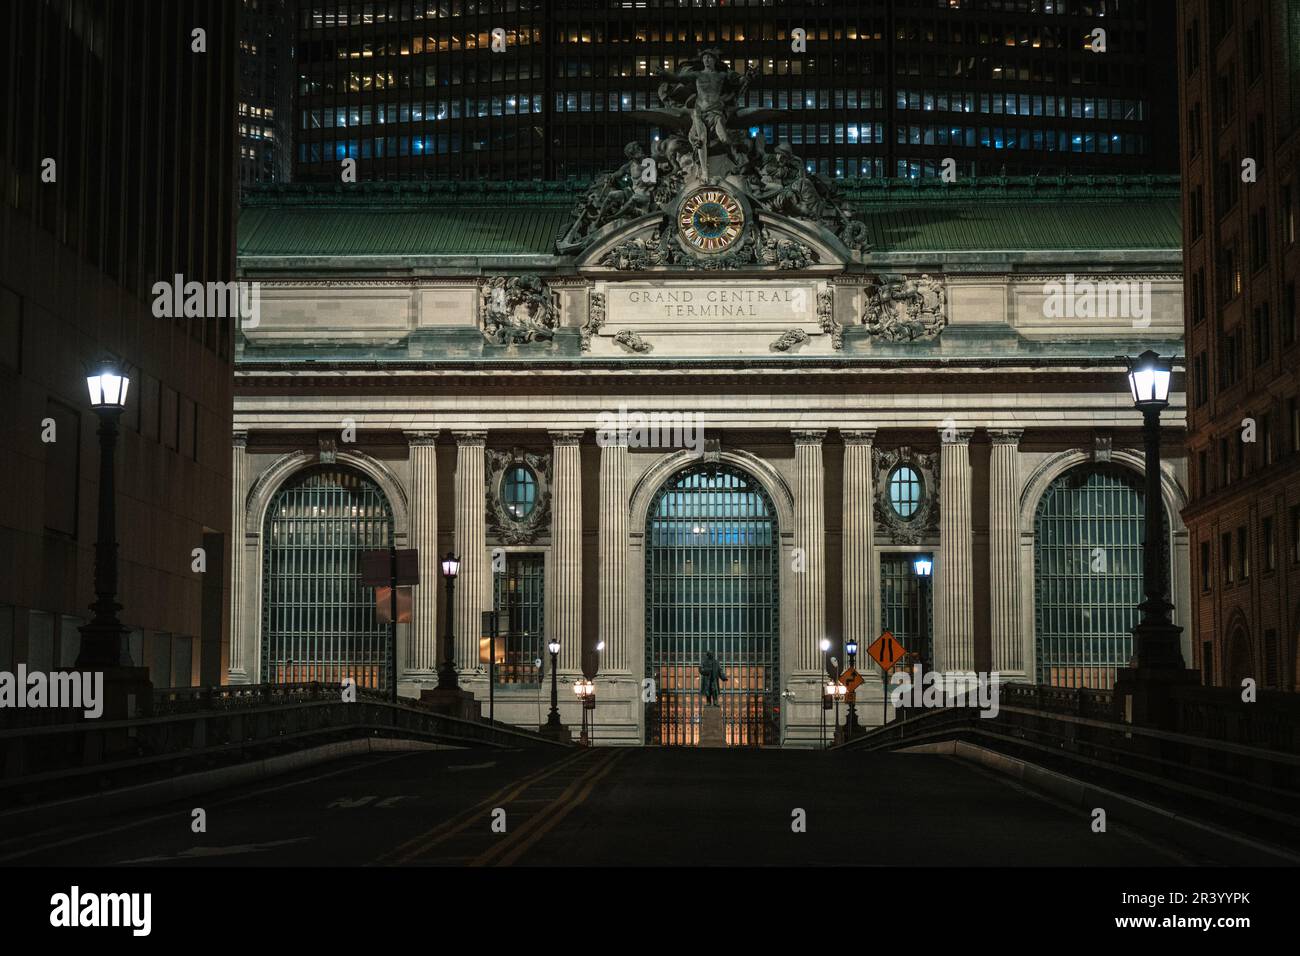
(474,219)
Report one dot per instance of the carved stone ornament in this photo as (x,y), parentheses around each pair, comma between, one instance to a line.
(706,141)
(789,340)
(328,452)
(900,309)
(517,309)
(631,341)
(826,318)
(756,247)
(595,319)
(924,522)
(506,527)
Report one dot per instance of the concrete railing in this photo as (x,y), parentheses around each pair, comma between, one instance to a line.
(181,730)
(1219,760)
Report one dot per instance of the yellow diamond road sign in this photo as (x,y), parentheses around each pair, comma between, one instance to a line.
(851,679)
(886,650)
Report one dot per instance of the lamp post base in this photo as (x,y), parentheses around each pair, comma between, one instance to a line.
(1145,696)
(453,702)
(556,731)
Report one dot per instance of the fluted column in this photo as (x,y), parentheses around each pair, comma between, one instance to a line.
(471,598)
(239,471)
(810,535)
(566,553)
(859,585)
(613,555)
(422,635)
(954,625)
(1004,550)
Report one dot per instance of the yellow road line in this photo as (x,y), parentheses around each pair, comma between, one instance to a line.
(548,821)
(423,842)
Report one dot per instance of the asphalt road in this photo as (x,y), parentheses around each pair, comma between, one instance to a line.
(644,806)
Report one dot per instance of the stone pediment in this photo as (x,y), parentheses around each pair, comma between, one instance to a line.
(768,243)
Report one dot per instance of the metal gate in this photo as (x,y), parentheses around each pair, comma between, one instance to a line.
(1088,534)
(318,619)
(900,605)
(712,572)
(519,598)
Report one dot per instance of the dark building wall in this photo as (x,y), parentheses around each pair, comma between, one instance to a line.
(882,89)
(1240,75)
(142,133)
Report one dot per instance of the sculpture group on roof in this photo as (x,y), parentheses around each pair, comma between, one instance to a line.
(709,142)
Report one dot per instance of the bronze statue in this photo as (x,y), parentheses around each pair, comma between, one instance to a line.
(710,674)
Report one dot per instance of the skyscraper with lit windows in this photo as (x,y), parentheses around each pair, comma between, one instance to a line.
(414,90)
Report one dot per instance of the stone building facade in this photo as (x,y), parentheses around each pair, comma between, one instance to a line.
(653,449)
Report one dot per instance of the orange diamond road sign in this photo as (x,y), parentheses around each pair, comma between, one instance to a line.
(886,650)
(852,679)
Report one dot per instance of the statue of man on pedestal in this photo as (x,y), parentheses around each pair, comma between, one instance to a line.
(710,674)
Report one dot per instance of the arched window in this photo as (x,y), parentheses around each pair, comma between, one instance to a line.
(318,620)
(1088,534)
(905,491)
(519,491)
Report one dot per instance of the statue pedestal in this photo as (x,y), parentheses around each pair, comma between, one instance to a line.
(713,731)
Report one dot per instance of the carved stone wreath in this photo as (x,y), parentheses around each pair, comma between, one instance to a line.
(504,526)
(900,309)
(925,521)
(517,309)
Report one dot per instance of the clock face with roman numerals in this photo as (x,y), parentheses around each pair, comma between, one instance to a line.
(710,219)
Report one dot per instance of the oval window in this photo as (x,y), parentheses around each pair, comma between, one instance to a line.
(519,492)
(905,491)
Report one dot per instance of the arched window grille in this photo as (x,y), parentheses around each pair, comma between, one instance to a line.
(1088,533)
(318,620)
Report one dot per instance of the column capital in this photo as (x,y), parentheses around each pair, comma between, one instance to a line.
(239,438)
(470,438)
(808,436)
(1005,436)
(566,437)
(949,435)
(421,437)
(858,436)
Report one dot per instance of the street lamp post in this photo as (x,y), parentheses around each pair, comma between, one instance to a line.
(553,718)
(826,669)
(1156,637)
(586,691)
(851,721)
(924,567)
(103,643)
(447,679)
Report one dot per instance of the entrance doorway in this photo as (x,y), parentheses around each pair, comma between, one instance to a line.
(712,574)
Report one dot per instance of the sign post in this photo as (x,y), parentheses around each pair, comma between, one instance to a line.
(886,652)
(393,568)
(490,625)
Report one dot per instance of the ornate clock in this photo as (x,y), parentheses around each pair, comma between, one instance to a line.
(710,220)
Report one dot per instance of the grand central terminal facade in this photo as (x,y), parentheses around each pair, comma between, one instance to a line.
(712,403)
